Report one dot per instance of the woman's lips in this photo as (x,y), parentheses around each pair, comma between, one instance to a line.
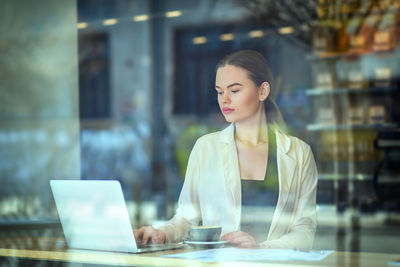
(227,110)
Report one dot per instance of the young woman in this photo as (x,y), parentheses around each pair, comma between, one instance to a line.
(225,166)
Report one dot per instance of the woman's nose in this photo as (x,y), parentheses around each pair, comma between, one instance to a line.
(226,98)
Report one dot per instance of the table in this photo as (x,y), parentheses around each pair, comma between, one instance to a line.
(53,249)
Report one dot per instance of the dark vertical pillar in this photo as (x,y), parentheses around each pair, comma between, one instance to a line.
(158,127)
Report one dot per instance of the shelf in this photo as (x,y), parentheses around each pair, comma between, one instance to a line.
(339,176)
(334,127)
(388,180)
(356,177)
(315,56)
(324,55)
(339,91)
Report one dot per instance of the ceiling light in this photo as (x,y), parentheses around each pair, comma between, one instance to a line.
(199,40)
(108,22)
(172,14)
(286,30)
(141,17)
(227,37)
(82,25)
(256,34)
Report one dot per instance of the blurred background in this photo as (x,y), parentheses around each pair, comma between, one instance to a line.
(98,89)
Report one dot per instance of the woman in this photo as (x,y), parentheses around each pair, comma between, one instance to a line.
(254,148)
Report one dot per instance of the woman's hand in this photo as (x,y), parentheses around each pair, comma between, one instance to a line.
(146,232)
(240,238)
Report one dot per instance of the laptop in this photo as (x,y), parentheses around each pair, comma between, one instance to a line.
(93,216)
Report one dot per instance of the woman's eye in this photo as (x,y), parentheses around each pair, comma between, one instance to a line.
(235,91)
(220,93)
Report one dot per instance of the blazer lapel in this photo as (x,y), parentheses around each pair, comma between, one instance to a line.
(287,166)
(231,170)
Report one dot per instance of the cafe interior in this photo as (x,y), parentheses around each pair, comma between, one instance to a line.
(122,89)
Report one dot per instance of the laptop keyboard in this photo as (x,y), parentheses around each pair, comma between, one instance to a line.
(148,245)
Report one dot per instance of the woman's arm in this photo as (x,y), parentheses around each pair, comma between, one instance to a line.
(188,212)
(175,229)
(302,229)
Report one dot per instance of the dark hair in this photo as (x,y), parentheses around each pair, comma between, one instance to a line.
(258,70)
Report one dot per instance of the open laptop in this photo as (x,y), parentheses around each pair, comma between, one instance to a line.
(93,215)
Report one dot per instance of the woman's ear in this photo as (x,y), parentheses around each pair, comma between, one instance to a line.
(264,91)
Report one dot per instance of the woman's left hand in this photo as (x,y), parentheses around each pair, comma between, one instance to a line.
(240,238)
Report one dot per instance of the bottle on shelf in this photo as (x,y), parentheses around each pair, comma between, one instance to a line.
(323,40)
(385,36)
(355,116)
(326,116)
(383,76)
(351,75)
(360,30)
(376,114)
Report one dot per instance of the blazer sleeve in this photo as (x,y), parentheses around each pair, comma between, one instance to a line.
(301,231)
(188,211)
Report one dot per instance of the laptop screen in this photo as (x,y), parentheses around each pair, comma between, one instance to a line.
(93,215)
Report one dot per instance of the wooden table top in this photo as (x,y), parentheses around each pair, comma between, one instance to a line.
(54,249)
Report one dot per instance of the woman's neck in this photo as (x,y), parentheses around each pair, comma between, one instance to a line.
(253,131)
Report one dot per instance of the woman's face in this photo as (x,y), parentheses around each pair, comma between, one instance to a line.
(239,98)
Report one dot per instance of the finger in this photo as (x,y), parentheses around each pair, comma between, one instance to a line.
(224,236)
(147,233)
(249,242)
(239,239)
(230,235)
(243,238)
(158,237)
(234,237)
(138,233)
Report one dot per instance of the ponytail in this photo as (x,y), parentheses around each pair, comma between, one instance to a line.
(274,115)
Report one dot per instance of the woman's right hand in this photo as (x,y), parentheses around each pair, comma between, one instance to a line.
(146,232)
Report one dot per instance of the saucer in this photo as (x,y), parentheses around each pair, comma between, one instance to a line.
(206,244)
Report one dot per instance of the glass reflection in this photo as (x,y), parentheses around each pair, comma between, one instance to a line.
(122,89)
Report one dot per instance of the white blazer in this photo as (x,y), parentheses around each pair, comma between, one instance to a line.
(212,191)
